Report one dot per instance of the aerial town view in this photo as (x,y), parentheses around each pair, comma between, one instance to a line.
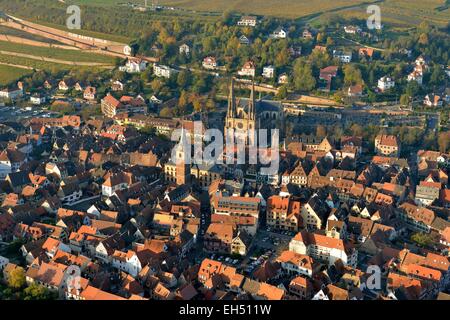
(196,151)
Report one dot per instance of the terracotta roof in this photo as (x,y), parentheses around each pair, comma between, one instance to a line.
(319,240)
(222,231)
(422,214)
(92,293)
(387,140)
(297,259)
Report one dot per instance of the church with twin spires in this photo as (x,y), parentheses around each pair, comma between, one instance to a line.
(251,114)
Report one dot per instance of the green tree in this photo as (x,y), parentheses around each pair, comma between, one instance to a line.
(443,141)
(182,79)
(38,292)
(16,279)
(422,239)
(210,105)
(404,99)
(303,77)
(183,102)
(166,112)
(197,102)
(437,76)
(412,89)
(282,92)
(352,75)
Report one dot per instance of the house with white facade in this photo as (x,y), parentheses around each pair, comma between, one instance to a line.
(433,100)
(279,33)
(37,99)
(10,161)
(268,72)
(127,262)
(184,49)
(115,182)
(293,263)
(248,69)
(3,262)
(352,29)
(323,248)
(416,76)
(247,21)
(134,65)
(385,83)
(11,93)
(345,57)
(163,71)
(209,63)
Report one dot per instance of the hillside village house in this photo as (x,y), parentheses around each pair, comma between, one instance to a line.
(416,76)
(244,40)
(163,71)
(283,78)
(116,85)
(385,83)
(11,93)
(433,100)
(248,69)
(307,34)
(345,57)
(327,74)
(90,93)
(37,99)
(134,65)
(80,86)
(279,33)
(247,21)
(268,72)
(65,84)
(366,52)
(352,29)
(355,91)
(387,145)
(209,63)
(184,49)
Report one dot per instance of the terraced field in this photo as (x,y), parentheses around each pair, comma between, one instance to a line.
(39,64)
(402,12)
(68,55)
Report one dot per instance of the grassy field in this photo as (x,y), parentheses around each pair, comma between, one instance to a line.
(408,12)
(25,35)
(42,65)
(69,55)
(9,74)
(105,36)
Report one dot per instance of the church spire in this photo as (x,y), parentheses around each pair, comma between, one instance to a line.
(231,100)
(251,108)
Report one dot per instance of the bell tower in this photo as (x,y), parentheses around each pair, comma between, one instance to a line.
(183,167)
